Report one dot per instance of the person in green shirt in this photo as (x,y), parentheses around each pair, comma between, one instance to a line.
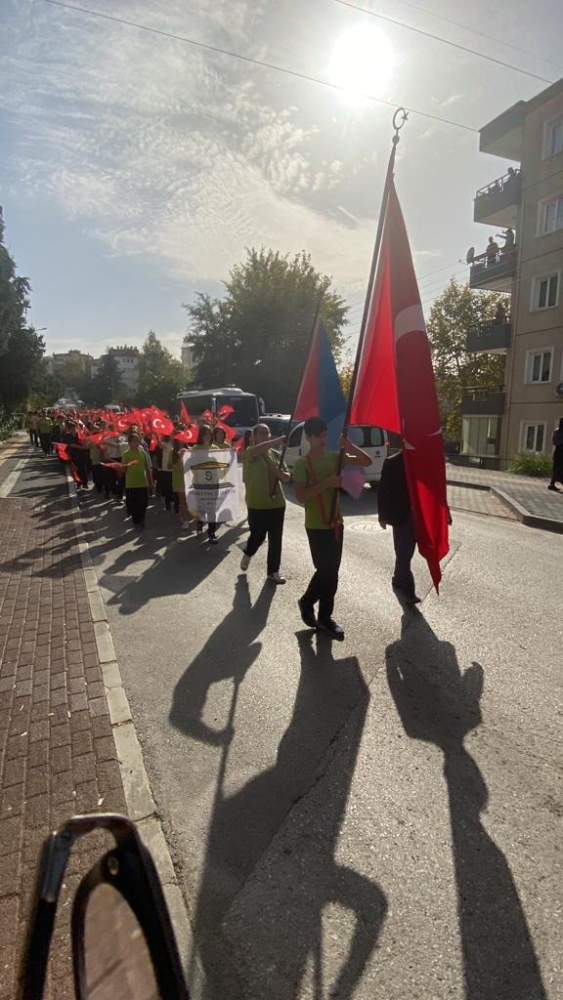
(138,480)
(264,498)
(178,482)
(316,486)
(45,432)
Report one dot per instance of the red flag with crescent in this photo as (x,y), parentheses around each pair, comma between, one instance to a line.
(395,387)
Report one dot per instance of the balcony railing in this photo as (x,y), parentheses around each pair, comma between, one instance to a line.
(497,203)
(493,337)
(494,270)
(479,402)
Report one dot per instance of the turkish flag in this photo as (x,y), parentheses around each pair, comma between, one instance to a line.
(229,431)
(184,414)
(225,411)
(188,436)
(395,386)
(162,424)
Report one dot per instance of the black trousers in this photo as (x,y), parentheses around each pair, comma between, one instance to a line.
(270,523)
(137,501)
(405,544)
(164,482)
(98,477)
(326,552)
(113,483)
(45,442)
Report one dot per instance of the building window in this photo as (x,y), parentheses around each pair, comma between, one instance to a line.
(538,366)
(553,138)
(480,435)
(545,291)
(551,215)
(533,436)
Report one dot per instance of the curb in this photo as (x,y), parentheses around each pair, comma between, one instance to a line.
(529,520)
(141,806)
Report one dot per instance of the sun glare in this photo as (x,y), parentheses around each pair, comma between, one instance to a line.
(362,62)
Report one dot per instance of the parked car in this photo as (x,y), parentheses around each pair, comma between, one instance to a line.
(371,439)
(278,423)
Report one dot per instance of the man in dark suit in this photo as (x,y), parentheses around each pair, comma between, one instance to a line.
(394,508)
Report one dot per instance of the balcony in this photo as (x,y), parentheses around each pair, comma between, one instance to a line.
(496,204)
(477,402)
(493,272)
(492,338)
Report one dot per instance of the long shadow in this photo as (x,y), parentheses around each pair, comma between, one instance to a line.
(243,824)
(364,506)
(440,704)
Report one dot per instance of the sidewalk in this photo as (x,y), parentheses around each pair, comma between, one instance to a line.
(530,499)
(57,751)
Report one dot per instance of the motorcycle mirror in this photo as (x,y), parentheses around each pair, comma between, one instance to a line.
(123,945)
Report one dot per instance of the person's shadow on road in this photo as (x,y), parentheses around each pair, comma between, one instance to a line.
(440,704)
(278,935)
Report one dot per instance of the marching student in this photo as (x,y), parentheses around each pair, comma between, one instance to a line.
(138,481)
(316,486)
(45,427)
(114,447)
(178,483)
(98,470)
(162,463)
(265,499)
(205,441)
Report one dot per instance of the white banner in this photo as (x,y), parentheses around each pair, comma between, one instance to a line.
(212,481)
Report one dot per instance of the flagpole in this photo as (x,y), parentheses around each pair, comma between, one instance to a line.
(397,125)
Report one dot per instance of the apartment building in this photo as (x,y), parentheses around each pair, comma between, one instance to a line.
(527,202)
(127,363)
(57,363)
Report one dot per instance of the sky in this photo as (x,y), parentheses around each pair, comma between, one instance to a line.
(136,168)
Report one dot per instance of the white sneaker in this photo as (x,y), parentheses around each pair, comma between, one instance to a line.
(245,563)
(276,578)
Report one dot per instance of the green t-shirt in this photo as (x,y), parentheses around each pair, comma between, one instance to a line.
(318,510)
(45,425)
(259,474)
(95,453)
(136,475)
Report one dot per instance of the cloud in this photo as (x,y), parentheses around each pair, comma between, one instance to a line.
(160,151)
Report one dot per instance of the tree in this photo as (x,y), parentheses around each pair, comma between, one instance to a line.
(21,348)
(106,386)
(345,373)
(161,376)
(453,314)
(257,336)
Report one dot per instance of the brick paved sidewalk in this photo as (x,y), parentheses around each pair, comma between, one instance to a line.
(57,752)
(530,494)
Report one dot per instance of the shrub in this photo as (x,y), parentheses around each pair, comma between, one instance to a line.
(8,423)
(528,464)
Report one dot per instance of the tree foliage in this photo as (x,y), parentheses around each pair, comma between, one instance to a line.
(257,336)
(453,314)
(161,376)
(21,348)
(106,386)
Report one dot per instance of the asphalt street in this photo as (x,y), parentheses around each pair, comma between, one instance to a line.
(378,818)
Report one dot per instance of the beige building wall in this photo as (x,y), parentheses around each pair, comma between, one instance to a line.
(535,330)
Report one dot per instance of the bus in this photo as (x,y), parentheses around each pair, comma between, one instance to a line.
(247,407)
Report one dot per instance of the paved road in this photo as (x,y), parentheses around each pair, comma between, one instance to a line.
(378,818)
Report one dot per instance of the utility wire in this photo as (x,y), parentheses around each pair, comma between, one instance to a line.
(482,34)
(445,41)
(252,61)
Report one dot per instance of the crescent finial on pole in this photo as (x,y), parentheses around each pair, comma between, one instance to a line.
(398,122)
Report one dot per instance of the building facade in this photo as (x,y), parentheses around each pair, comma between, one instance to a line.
(188,358)
(527,201)
(58,363)
(127,364)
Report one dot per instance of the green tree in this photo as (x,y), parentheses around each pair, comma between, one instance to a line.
(452,315)
(106,386)
(161,375)
(21,348)
(256,337)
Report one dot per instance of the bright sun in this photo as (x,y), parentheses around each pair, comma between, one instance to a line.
(362,62)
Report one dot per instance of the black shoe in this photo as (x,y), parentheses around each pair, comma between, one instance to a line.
(329,625)
(307,613)
(553,487)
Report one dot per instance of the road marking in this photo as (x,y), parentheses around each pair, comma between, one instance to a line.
(11,479)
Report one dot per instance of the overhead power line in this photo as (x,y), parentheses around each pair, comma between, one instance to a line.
(482,34)
(249,59)
(444,41)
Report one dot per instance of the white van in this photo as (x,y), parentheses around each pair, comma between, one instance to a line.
(371,439)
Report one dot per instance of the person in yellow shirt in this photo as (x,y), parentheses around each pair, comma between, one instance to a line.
(138,480)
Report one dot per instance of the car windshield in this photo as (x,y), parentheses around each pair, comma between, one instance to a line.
(245,410)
